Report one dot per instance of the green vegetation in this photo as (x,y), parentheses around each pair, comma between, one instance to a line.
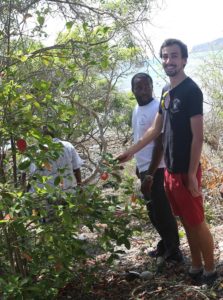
(211,78)
(71,87)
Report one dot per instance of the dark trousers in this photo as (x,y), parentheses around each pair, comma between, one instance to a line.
(161,216)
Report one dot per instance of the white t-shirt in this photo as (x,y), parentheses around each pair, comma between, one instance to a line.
(68,161)
(142,119)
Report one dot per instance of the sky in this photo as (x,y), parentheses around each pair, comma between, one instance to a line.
(192,21)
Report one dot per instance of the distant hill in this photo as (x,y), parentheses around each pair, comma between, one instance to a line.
(214,45)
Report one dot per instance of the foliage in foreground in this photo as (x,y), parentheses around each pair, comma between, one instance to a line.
(71,87)
(42,248)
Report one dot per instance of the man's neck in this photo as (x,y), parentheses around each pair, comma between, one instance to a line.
(175,81)
(145,103)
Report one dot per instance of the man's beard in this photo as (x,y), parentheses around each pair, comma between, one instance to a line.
(170,73)
(173,72)
(141,101)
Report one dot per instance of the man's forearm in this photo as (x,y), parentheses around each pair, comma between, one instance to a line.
(152,133)
(196,148)
(148,137)
(196,145)
(77,174)
(156,155)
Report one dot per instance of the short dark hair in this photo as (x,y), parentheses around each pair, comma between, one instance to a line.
(140,75)
(48,130)
(171,42)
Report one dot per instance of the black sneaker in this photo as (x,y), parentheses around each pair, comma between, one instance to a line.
(155,253)
(196,275)
(209,280)
(175,258)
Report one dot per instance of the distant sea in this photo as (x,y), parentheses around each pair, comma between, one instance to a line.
(154,69)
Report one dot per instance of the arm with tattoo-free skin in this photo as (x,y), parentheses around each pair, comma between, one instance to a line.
(77,174)
(195,153)
(155,161)
(221,190)
(156,155)
(152,133)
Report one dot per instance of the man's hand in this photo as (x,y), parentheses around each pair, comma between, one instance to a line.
(221,190)
(146,185)
(193,186)
(124,157)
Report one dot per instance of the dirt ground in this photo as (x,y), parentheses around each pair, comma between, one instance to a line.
(165,282)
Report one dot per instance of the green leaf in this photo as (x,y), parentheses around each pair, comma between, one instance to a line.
(36,104)
(104,63)
(123,240)
(35,133)
(112,257)
(67,218)
(181,234)
(40,20)
(29,96)
(85,26)
(105,29)
(116,176)
(127,244)
(69,25)
(23,58)
(45,61)
(57,180)
(86,55)
(20,229)
(24,164)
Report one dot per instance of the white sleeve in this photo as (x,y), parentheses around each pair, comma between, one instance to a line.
(77,162)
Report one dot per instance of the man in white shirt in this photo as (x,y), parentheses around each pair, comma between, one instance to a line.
(150,168)
(66,166)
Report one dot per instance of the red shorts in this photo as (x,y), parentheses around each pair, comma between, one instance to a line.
(183,204)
